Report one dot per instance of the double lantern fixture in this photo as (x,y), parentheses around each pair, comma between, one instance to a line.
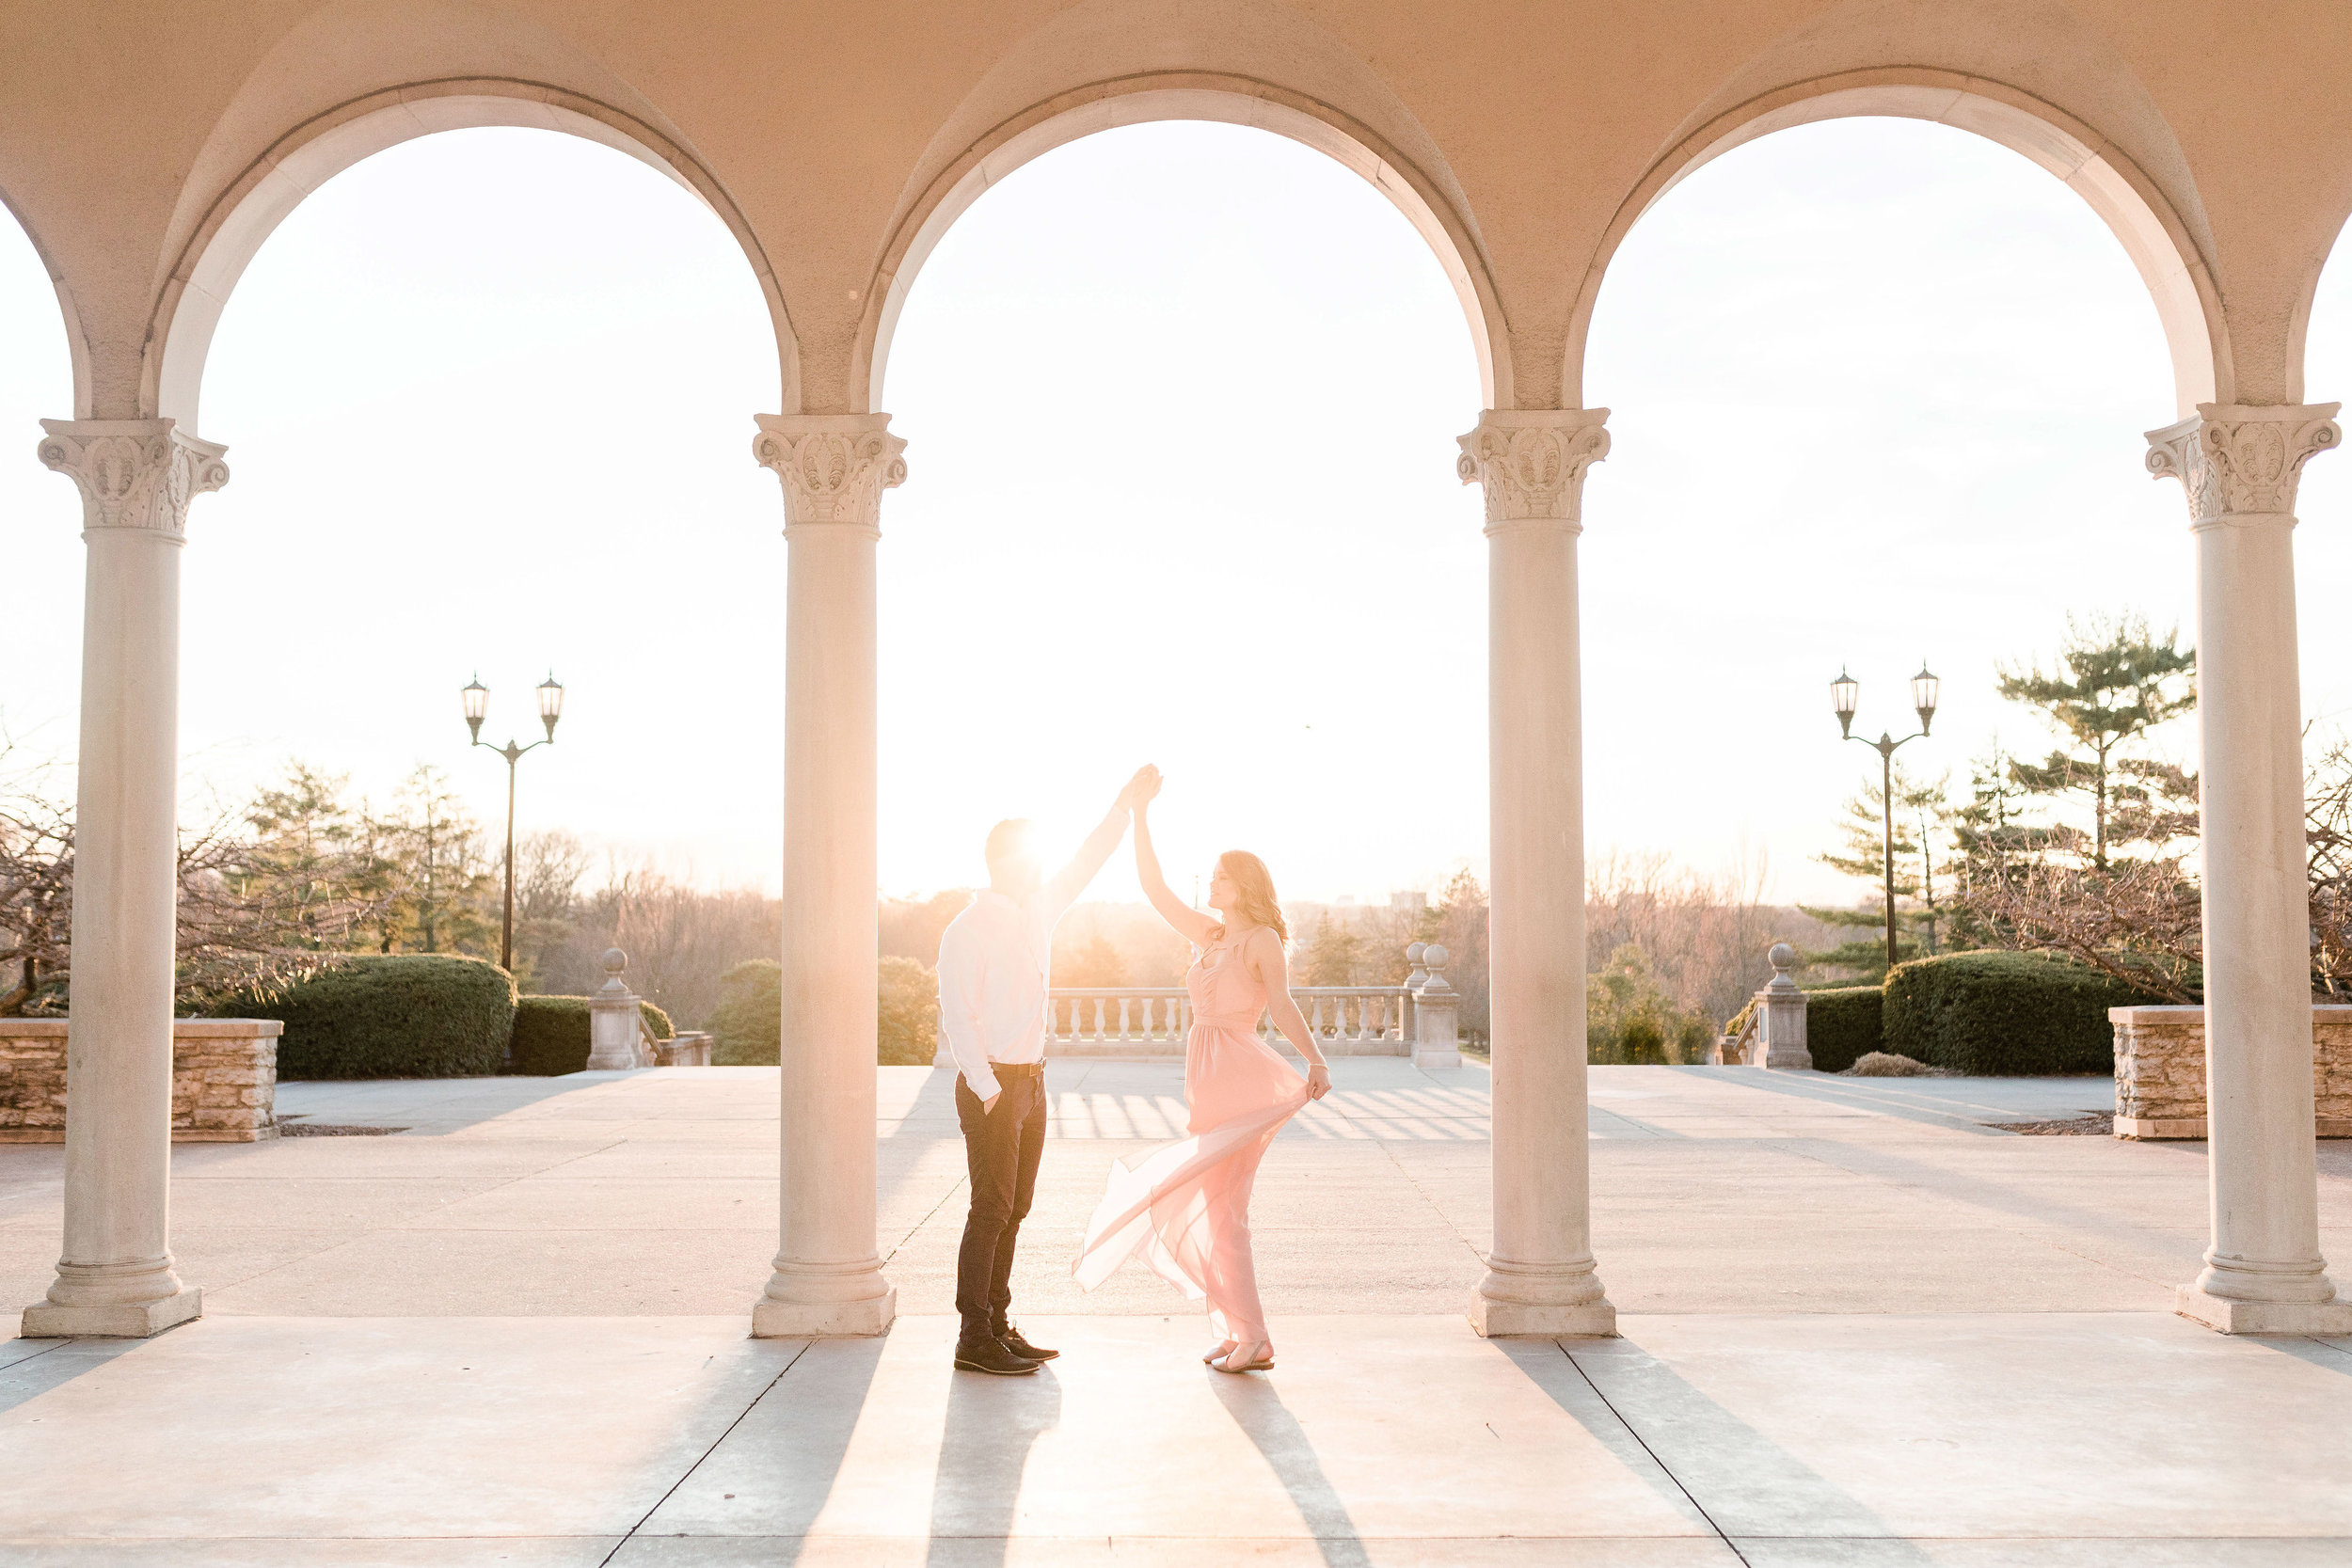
(1845,693)
(477,699)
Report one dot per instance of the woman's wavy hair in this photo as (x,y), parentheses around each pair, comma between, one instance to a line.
(1259,906)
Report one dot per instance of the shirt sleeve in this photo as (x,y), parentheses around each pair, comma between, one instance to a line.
(962,977)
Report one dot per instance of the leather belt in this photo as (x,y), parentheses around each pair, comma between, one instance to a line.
(1017,1070)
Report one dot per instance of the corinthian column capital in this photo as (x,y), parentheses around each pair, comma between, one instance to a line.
(1533,463)
(834,467)
(2237,461)
(133,473)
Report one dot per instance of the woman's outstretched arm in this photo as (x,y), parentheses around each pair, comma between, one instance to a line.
(1267,960)
(1190,923)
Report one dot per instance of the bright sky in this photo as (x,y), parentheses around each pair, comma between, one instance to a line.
(1181,402)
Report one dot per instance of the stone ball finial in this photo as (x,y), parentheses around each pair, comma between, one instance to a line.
(615,960)
(1434,956)
(1415,952)
(1783,955)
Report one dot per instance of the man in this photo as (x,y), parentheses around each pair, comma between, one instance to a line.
(995,964)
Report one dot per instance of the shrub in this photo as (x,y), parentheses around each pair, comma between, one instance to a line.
(2004,1014)
(551,1033)
(1841,1025)
(748,1021)
(1628,1018)
(1878,1064)
(906,1028)
(401,1015)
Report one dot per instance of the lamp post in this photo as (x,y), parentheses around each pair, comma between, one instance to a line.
(477,698)
(1843,692)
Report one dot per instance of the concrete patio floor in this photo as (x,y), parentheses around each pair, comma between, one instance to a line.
(1861,1327)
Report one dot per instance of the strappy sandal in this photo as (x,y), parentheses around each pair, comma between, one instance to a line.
(1264,1363)
(1227,1348)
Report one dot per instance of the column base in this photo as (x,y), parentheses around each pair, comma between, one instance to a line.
(1514,1319)
(2229,1315)
(114,1320)
(825,1320)
(1436,1061)
(1514,1302)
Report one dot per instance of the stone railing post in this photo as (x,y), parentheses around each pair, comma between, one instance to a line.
(1438,1014)
(1406,1025)
(1780,1017)
(614,1021)
(115,1275)
(828,1277)
(2263,1273)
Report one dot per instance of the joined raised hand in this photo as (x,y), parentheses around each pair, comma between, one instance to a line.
(1141,788)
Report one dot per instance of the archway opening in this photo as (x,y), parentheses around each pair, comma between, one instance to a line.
(486,393)
(37,383)
(1183,400)
(1878,392)
(2322,544)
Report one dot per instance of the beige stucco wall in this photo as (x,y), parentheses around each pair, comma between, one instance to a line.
(824,133)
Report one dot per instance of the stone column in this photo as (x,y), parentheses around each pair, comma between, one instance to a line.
(1540,1278)
(1780,1008)
(2263,1273)
(828,1277)
(115,1276)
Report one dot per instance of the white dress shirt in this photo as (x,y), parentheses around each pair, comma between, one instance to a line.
(995,964)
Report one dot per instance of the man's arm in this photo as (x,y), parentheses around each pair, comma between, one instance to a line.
(1070,881)
(961,974)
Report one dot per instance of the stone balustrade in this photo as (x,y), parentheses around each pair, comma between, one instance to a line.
(1349,1021)
(224,1078)
(687,1048)
(2160,1071)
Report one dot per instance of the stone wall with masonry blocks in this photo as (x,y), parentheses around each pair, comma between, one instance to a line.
(224,1078)
(2160,1071)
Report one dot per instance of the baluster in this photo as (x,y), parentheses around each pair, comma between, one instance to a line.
(1126,1031)
(1098,1018)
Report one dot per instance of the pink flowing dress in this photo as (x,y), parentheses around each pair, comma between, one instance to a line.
(1186,1207)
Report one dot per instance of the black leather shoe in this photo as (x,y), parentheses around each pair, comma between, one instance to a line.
(990,1356)
(1011,1338)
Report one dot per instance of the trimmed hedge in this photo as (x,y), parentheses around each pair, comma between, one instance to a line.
(1842,1024)
(749,1019)
(2005,1014)
(748,1022)
(551,1036)
(906,1014)
(398,1015)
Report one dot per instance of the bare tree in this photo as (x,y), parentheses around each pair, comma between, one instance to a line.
(1703,936)
(36,884)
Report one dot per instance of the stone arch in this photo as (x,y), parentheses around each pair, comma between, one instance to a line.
(1166,96)
(2134,207)
(233,228)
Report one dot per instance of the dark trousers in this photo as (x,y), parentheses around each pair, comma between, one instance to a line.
(1001,1148)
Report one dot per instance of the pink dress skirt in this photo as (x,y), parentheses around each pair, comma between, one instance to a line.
(1186,1207)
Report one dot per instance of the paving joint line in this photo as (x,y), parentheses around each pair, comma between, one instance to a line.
(1663,1468)
(704,1457)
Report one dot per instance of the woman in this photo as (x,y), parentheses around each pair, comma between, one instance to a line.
(1187,1206)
